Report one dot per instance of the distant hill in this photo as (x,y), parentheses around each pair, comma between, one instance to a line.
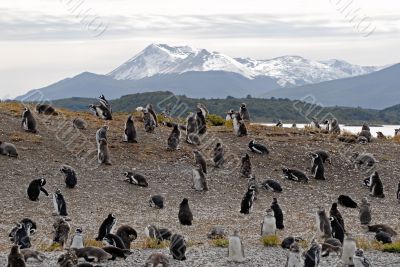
(377,90)
(262,110)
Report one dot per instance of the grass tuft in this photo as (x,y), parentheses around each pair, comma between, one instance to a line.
(153,243)
(220,242)
(215,120)
(392,248)
(51,248)
(271,241)
(93,243)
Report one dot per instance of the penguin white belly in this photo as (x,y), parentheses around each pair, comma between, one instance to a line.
(77,242)
(269,227)
(55,204)
(294,260)
(235,250)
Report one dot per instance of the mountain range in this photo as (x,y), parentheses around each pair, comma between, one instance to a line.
(200,73)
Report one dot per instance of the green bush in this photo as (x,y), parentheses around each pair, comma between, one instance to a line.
(393,248)
(271,241)
(215,120)
(221,242)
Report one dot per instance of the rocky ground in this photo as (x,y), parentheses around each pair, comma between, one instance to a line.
(101,189)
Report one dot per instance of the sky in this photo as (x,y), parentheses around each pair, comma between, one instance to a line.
(44,41)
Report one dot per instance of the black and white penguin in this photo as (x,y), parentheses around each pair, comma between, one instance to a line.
(334,212)
(191,130)
(165,234)
(178,247)
(46,109)
(127,234)
(29,225)
(294,175)
(278,214)
(200,160)
(130,135)
(35,187)
(77,240)
(360,260)
(317,167)
(383,237)
(398,192)
(185,215)
(152,232)
(347,202)
(103,101)
(333,127)
(239,127)
(201,122)
(246,167)
(70,176)
(312,256)
(101,111)
(101,134)
(113,240)
(174,138)
(157,201)
(244,112)
(272,185)
(229,115)
(235,248)
(247,201)
(106,227)
(150,109)
(103,153)
(294,257)
(28,121)
(279,124)
(325,156)
(382,227)
(148,121)
(363,159)
(8,149)
(315,123)
(21,236)
(365,212)
(218,155)
(60,206)
(337,229)
(258,148)
(199,179)
(376,186)
(136,179)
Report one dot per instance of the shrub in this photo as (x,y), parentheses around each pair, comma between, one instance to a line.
(271,241)
(215,120)
(93,243)
(154,243)
(229,124)
(396,138)
(51,248)
(393,248)
(221,242)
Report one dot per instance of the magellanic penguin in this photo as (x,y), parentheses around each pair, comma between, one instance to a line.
(383,237)
(60,206)
(77,239)
(317,167)
(28,121)
(363,159)
(313,255)
(272,185)
(21,236)
(334,212)
(360,260)
(79,124)
(178,247)
(239,126)
(29,226)
(246,167)
(130,135)
(103,101)
(268,225)
(70,176)
(117,252)
(127,234)
(174,138)
(348,250)
(337,229)
(136,179)
(244,112)
(218,155)
(32,254)
(347,202)
(15,258)
(324,155)
(185,215)
(8,149)
(191,130)
(150,109)
(35,187)
(157,201)
(278,214)
(333,126)
(294,257)
(236,248)
(152,232)
(258,148)
(199,180)
(315,123)
(103,153)
(248,199)
(294,175)
(101,134)
(101,111)
(323,223)
(398,192)
(200,160)
(106,227)
(365,212)
(376,186)
(113,240)
(93,254)
(157,260)
(382,227)
(201,121)
(149,122)
(46,109)
(61,231)
(279,124)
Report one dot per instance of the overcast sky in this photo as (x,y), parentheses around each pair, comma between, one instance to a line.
(44,41)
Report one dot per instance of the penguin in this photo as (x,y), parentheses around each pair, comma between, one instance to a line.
(45,109)
(218,158)
(334,212)
(32,254)
(77,240)
(363,159)
(294,175)
(268,225)
(35,187)
(203,109)
(383,237)
(61,231)
(157,260)
(93,253)
(174,138)
(185,215)
(152,232)
(331,245)
(294,125)
(15,258)
(106,227)
(244,112)
(103,101)
(21,236)
(29,226)
(28,121)
(272,185)
(396,132)
(365,212)
(229,115)
(79,124)
(178,247)
(200,160)
(70,176)
(246,167)
(258,148)
(376,186)
(103,153)
(337,229)
(360,260)
(239,126)
(165,234)
(382,227)
(113,240)
(101,111)
(334,127)
(130,131)
(294,257)
(347,202)
(362,140)
(216,232)
(191,130)
(8,149)
(101,134)
(324,155)
(348,250)
(317,167)
(279,124)
(312,256)
(235,248)
(201,122)
(127,235)
(136,179)
(289,241)
(380,135)
(365,134)
(199,180)
(398,192)
(278,214)
(117,252)
(69,259)
(150,109)
(149,122)
(315,123)
(157,201)
(323,223)
(248,200)
(60,206)
(253,183)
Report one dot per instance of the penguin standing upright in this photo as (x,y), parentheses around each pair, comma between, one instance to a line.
(246,167)
(200,160)
(59,203)
(185,215)
(268,225)
(244,112)
(337,230)
(28,121)
(235,248)
(376,186)
(317,169)
(365,212)
(334,212)
(130,131)
(70,176)
(150,109)
(312,256)
(77,239)
(248,200)
(348,250)
(294,257)
(218,155)
(360,260)
(106,227)
(239,126)
(35,187)
(178,247)
(174,138)
(201,121)
(148,120)
(278,214)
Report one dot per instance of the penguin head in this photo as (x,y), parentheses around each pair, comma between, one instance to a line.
(78,230)
(359,252)
(217,145)
(42,182)
(252,142)
(274,200)
(331,218)
(243,105)
(185,201)
(127,174)
(58,192)
(111,215)
(334,206)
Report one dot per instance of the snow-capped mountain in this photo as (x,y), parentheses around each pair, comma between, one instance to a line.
(288,71)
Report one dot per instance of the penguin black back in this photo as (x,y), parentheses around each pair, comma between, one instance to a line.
(106,226)
(278,214)
(347,202)
(185,215)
